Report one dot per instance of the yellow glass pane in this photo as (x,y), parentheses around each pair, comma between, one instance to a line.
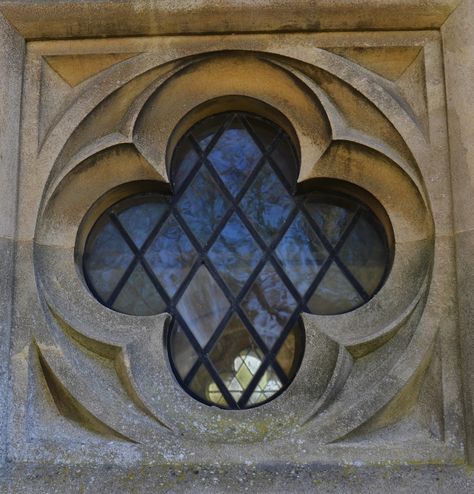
(286,355)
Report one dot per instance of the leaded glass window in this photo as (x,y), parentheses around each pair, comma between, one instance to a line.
(235,256)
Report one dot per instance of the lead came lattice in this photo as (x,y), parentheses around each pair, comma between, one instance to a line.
(235,256)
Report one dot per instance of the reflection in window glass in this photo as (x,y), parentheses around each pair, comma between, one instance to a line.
(235,257)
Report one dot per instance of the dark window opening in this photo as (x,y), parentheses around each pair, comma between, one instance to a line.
(235,256)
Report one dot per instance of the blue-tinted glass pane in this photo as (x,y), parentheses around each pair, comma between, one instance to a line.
(204,134)
(269,305)
(365,254)
(140,220)
(234,157)
(285,158)
(139,296)
(203,305)
(267,204)
(331,219)
(334,295)
(283,154)
(203,205)
(235,254)
(171,255)
(185,159)
(232,146)
(107,258)
(301,253)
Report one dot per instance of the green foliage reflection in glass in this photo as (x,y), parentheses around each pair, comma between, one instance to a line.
(235,257)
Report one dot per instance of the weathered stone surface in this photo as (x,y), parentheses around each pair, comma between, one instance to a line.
(214,479)
(11,61)
(458,45)
(91,400)
(48,19)
(6,281)
(465,279)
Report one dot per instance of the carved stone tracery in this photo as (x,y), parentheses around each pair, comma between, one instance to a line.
(358,121)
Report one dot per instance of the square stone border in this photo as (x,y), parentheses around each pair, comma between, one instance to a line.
(23,21)
(53,19)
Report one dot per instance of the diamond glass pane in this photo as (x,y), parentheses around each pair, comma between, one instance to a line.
(235,256)
(171,255)
(301,253)
(206,131)
(331,216)
(287,355)
(140,219)
(204,386)
(182,352)
(234,156)
(268,386)
(188,158)
(365,254)
(335,294)
(266,133)
(269,305)
(283,155)
(106,259)
(267,204)
(203,305)
(229,356)
(202,205)
(139,296)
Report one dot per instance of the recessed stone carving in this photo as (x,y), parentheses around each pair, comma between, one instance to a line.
(75,69)
(358,121)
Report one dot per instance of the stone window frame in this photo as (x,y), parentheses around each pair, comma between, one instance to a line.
(330,340)
(31,21)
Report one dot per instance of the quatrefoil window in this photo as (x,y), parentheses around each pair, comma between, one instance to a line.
(235,256)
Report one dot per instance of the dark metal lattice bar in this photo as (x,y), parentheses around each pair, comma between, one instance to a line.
(267,256)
